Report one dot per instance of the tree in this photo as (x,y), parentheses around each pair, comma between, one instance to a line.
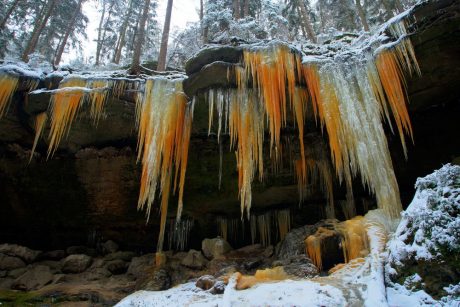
(40,23)
(122,34)
(8,14)
(362,15)
(164,38)
(69,29)
(236,9)
(136,63)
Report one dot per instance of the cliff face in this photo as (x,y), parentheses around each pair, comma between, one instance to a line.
(88,191)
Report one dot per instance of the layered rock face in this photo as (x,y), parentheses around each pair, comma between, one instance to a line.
(87,193)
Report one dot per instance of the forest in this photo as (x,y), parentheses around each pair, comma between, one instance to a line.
(128,31)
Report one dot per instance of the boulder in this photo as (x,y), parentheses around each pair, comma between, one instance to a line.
(218,288)
(55,266)
(34,279)
(298,266)
(16,272)
(81,250)
(117,266)
(205,282)
(26,254)
(76,263)
(194,260)
(215,248)
(139,266)
(159,281)
(110,247)
(120,255)
(294,242)
(6,283)
(97,274)
(53,255)
(10,263)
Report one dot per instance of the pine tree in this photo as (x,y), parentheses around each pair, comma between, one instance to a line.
(164,38)
(40,23)
(70,28)
(136,63)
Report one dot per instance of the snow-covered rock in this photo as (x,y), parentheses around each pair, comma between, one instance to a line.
(423,254)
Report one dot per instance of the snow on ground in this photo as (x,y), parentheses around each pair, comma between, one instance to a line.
(284,293)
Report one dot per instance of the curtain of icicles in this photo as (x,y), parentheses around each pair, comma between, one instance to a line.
(350,95)
(266,229)
(179,233)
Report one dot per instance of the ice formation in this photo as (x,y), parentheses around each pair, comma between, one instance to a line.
(8,85)
(164,120)
(351,94)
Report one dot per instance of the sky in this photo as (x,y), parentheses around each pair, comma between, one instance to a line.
(184,11)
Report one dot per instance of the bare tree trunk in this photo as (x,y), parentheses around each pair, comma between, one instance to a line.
(164,38)
(399,6)
(302,23)
(40,25)
(246,8)
(236,9)
(69,30)
(362,15)
(99,34)
(307,22)
(8,14)
(105,30)
(136,64)
(122,37)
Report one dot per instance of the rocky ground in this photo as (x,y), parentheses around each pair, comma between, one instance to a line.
(102,277)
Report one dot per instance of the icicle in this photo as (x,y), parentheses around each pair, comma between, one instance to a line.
(98,98)
(165,122)
(179,233)
(221,153)
(314,244)
(284,222)
(8,85)
(40,121)
(354,238)
(64,107)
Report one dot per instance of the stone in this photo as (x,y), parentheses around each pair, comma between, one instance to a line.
(3,274)
(252,264)
(205,282)
(81,250)
(194,260)
(53,255)
(35,278)
(120,255)
(215,248)
(139,266)
(26,254)
(268,252)
(299,266)
(110,247)
(10,263)
(55,266)
(159,281)
(218,288)
(117,266)
(97,274)
(76,263)
(6,283)
(16,272)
